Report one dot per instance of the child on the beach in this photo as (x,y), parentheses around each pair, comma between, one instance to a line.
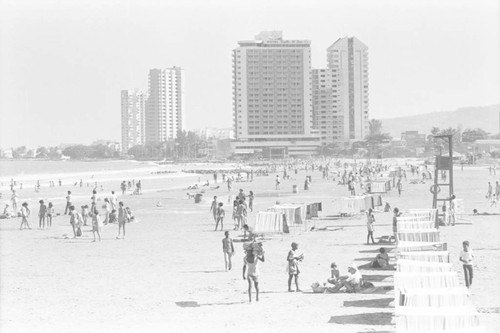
(381,260)
(250,262)
(85,214)
(68,203)
(42,213)
(220,213)
(25,213)
(466,258)
(494,200)
(96,224)
(335,274)
(112,216)
(228,249)
(50,214)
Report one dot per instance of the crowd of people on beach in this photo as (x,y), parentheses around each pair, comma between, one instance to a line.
(112,210)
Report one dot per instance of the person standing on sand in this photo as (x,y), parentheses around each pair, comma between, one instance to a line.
(73,219)
(369,225)
(399,186)
(229,184)
(123,187)
(228,249)
(50,214)
(213,209)
(68,203)
(497,189)
(112,200)
(278,182)
(215,177)
(395,223)
(93,200)
(250,200)
(13,199)
(122,218)
(107,210)
(466,257)
(42,213)
(220,214)
(96,224)
(293,267)
(250,262)
(25,213)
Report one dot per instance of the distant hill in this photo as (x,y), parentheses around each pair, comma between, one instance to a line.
(485,117)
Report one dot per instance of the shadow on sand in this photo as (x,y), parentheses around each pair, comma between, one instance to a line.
(370,303)
(377,318)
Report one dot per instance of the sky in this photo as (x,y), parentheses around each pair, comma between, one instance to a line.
(64,63)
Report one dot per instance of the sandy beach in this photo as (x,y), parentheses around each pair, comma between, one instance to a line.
(168,274)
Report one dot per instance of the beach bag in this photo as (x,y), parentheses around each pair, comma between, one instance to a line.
(78,232)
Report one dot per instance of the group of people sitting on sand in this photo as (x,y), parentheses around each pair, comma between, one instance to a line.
(352,281)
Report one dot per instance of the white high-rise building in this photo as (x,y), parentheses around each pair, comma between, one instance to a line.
(327,108)
(133,104)
(349,57)
(272,106)
(165,107)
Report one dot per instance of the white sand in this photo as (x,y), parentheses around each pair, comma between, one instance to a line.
(52,284)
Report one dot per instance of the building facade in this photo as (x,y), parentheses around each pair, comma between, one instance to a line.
(272,106)
(327,108)
(349,57)
(165,106)
(133,104)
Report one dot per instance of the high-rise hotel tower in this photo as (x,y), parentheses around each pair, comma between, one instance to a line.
(272,106)
(133,104)
(348,58)
(165,107)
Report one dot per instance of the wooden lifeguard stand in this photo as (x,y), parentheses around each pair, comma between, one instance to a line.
(443,163)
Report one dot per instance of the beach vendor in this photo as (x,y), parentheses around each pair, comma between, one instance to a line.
(254,253)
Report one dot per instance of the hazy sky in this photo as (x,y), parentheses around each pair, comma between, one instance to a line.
(63,63)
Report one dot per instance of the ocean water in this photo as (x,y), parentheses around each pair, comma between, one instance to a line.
(27,171)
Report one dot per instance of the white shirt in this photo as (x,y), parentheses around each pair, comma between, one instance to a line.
(467,256)
(354,278)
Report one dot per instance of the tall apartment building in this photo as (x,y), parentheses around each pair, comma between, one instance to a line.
(327,108)
(165,107)
(349,57)
(272,106)
(133,104)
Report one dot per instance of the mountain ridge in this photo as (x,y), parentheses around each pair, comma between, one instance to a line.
(466,117)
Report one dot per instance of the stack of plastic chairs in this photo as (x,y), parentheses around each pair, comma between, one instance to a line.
(429,297)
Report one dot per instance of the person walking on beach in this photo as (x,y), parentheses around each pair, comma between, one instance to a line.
(250,200)
(490,191)
(213,209)
(139,187)
(293,266)
(219,216)
(278,182)
(369,225)
(96,224)
(228,249)
(25,213)
(215,177)
(42,213)
(50,214)
(68,203)
(229,184)
(466,257)
(122,219)
(252,272)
